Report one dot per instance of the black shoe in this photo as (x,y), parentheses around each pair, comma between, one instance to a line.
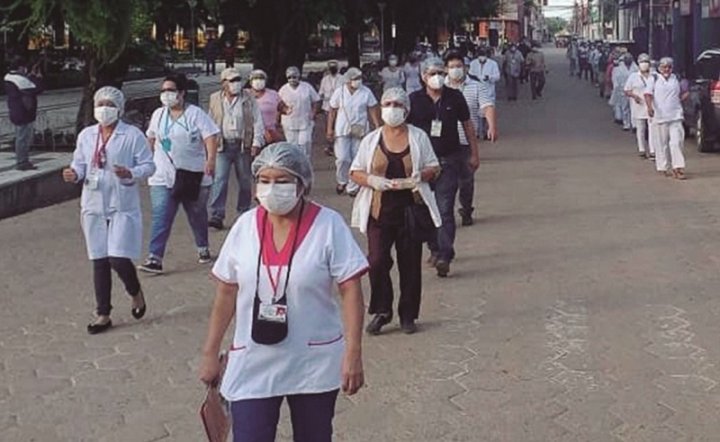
(151,265)
(340,189)
(432,261)
(466,218)
(96,328)
(138,313)
(26,166)
(443,268)
(408,326)
(378,322)
(216,224)
(204,257)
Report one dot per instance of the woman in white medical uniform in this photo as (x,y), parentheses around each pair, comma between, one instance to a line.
(277,275)
(110,159)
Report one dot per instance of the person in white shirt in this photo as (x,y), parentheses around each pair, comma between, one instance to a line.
(620,74)
(481,105)
(110,159)
(487,71)
(330,82)
(184,141)
(394,166)
(664,96)
(277,275)
(300,106)
(391,75)
(348,123)
(411,72)
(635,91)
(242,134)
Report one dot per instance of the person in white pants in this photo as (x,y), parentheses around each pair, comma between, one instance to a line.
(635,91)
(350,107)
(663,96)
(300,104)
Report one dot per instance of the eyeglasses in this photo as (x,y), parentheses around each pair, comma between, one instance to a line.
(169,90)
(392,104)
(234,80)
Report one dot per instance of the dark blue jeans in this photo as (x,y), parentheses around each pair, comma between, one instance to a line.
(255,420)
(446,189)
(467,185)
(231,156)
(164,209)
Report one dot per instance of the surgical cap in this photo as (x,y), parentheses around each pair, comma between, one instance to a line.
(111,94)
(396,95)
(628,57)
(258,73)
(288,157)
(352,73)
(432,62)
(292,70)
(643,58)
(666,61)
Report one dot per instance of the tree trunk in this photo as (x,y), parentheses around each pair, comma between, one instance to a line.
(351,32)
(85,111)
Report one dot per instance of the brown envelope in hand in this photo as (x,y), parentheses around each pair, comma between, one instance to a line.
(214,410)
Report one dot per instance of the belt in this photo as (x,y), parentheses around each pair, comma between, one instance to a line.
(237,141)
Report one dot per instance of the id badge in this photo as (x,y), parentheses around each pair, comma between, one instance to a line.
(436,128)
(166,144)
(92,181)
(273,313)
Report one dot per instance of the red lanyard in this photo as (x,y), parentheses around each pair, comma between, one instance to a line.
(275,282)
(100,155)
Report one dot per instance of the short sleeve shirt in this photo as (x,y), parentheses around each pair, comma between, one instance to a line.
(636,84)
(351,108)
(450,109)
(666,98)
(187,137)
(300,100)
(478,98)
(268,104)
(309,359)
(392,78)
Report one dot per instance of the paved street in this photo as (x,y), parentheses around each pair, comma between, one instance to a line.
(582,307)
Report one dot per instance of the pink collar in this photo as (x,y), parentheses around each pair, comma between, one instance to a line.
(274,257)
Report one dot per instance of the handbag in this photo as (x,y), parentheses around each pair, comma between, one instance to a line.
(356,130)
(187,185)
(214,410)
(419,223)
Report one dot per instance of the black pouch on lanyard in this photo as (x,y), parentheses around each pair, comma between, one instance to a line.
(270,321)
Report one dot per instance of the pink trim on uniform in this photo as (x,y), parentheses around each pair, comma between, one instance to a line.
(357,275)
(273,257)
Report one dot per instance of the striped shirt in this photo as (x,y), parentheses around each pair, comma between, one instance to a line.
(478,96)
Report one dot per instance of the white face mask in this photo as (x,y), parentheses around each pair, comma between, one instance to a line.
(169,98)
(482,59)
(456,74)
(235,87)
(355,84)
(277,198)
(644,66)
(436,81)
(258,84)
(392,62)
(106,115)
(393,116)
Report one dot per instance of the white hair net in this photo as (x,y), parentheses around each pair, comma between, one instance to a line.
(432,62)
(397,95)
(352,73)
(288,157)
(643,58)
(292,70)
(111,94)
(666,61)
(258,73)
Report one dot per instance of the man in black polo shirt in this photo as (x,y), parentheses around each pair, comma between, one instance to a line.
(437,110)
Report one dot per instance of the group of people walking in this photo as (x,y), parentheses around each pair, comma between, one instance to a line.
(646,98)
(404,158)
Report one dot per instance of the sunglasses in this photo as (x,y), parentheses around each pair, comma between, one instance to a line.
(234,80)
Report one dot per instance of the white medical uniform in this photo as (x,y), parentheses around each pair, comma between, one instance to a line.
(328,85)
(490,69)
(187,150)
(668,109)
(309,359)
(636,83)
(392,78)
(299,123)
(110,212)
(352,109)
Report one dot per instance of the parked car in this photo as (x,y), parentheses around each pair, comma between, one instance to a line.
(702,108)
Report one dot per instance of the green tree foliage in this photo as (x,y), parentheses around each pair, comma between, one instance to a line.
(556,24)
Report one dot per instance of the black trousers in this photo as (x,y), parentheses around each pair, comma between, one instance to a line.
(102,278)
(381,238)
(210,67)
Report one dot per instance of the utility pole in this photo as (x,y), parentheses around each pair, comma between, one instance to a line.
(651,25)
(193,33)
(381,6)
(601,9)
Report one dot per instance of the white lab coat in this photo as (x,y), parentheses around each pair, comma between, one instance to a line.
(110,215)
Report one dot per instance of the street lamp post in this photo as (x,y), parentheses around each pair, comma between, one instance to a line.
(193,33)
(381,6)
(651,25)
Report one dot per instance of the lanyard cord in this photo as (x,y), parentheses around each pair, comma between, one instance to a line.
(100,154)
(169,126)
(292,255)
